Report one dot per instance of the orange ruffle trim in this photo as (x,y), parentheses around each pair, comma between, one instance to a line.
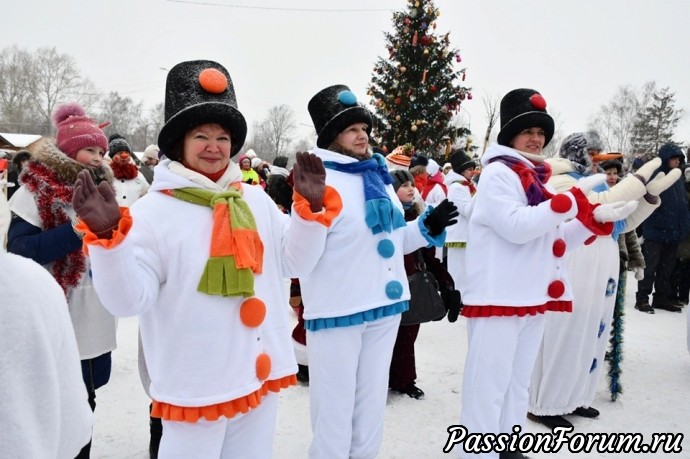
(520,311)
(332,204)
(123,227)
(228,409)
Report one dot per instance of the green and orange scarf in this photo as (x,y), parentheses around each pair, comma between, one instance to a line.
(236,248)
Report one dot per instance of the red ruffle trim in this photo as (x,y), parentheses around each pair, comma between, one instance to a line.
(228,409)
(520,311)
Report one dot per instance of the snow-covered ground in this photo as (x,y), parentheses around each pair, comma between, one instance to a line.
(656,397)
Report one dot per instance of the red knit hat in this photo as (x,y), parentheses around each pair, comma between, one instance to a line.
(75,130)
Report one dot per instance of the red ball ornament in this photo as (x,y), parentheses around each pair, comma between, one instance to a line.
(398,101)
(469,96)
(538,101)
(433,88)
(426,40)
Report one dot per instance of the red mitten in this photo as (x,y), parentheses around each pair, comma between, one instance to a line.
(585,213)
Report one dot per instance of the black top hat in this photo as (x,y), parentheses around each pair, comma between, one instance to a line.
(332,110)
(523,109)
(461,161)
(199,92)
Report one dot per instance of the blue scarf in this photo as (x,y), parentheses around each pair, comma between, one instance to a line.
(381,214)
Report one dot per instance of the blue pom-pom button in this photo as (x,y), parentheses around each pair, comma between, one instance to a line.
(347,98)
(394,290)
(386,248)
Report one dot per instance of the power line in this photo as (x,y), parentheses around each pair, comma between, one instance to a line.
(310,10)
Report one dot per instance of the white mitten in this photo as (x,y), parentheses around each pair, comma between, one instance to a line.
(648,169)
(662,181)
(639,273)
(587,184)
(615,211)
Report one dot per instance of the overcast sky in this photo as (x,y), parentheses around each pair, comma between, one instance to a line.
(576,53)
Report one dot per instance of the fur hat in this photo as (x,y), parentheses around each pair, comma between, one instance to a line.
(332,110)
(151,152)
(75,130)
(251,154)
(523,109)
(255,162)
(117,146)
(574,148)
(399,177)
(199,92)
(461,161)
(611,164)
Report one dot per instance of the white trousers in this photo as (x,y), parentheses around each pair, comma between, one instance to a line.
(244,436)
(500,356)
(348,388)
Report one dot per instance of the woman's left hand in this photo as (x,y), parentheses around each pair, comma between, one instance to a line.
(309,177)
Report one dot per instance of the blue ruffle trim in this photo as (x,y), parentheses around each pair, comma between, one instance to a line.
(436,241)
(382,215)
(357,318)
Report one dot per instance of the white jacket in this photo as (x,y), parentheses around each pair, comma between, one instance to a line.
(197,349)
(459,194)
(350,275)
(512,244)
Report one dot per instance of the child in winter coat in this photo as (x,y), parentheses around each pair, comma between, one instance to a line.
(403,372)
(42,229)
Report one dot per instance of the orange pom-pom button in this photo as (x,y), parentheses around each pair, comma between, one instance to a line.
(559,248)
(213,81)
(556,289)
(263,366)
(561,203)
(252,312)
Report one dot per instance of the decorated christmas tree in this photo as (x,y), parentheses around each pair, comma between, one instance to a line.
(417,90)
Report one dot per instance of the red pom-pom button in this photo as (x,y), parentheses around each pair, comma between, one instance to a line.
(556,289)
(590,240)
(213,81)
(538,101)
(559,248)
(561,203)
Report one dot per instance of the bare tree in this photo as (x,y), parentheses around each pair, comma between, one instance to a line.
(272,136)
(54,79)
(16,114)
(491,104)
(615,121)
(123,114)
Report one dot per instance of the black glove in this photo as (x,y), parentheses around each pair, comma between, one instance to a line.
(443,215)
(453,303)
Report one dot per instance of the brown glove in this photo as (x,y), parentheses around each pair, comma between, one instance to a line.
(309,177)
(96,206)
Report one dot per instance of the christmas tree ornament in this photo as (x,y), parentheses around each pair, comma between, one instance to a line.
(469,96)
(458,58)
(426,51)
(413,128)
(414,38)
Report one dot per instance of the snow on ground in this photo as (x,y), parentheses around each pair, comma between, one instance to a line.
(656,381)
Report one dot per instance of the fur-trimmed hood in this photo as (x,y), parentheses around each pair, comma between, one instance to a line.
(67,169)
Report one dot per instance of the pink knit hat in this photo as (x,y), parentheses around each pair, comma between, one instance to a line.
(75,130)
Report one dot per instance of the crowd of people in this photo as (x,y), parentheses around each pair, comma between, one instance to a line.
(198,240)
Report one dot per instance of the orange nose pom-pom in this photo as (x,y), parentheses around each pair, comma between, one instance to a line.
(213,81)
